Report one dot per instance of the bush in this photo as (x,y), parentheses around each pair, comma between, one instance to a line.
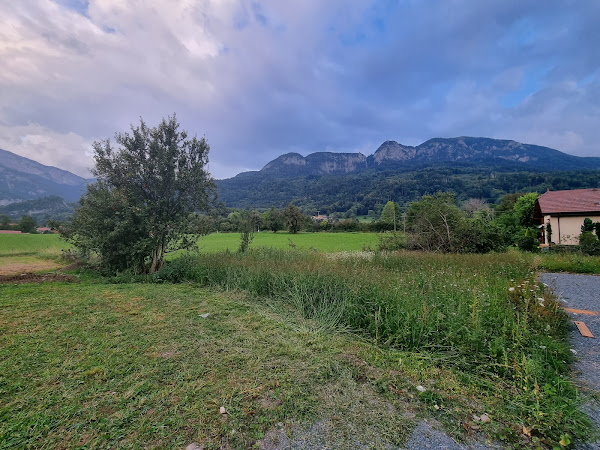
(589,243)
(391,242)
(527,243)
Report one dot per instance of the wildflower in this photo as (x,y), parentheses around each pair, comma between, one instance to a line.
(511,289)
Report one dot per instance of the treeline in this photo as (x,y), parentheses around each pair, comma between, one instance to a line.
(433,223)
(26,224)
(366,193)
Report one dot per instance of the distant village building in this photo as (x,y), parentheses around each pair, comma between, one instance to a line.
(45,230)
(320,218)
(565,211)
(9,232)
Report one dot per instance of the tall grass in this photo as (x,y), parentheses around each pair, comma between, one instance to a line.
(481,314)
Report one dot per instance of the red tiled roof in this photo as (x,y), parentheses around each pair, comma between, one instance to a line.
(573,201)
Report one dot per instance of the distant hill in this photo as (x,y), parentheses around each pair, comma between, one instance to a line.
(41,209)
(471,167)
(24,179)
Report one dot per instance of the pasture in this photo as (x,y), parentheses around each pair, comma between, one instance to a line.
(293,337)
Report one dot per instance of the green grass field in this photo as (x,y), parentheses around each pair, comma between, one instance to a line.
(11,244)
(322,242)
(14,244)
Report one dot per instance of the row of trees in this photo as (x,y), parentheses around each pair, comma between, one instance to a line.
(26,224)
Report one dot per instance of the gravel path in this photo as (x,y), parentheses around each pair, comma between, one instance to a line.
(582,292)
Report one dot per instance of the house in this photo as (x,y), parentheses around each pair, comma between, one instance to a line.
(9,232)
(45,230)
(320,218)
(565,211)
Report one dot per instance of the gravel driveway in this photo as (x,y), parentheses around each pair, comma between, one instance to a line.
(582,292)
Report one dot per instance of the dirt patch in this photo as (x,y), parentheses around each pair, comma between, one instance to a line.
(21,267)
(25,278)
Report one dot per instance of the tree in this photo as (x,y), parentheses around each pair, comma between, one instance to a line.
(523,209)
(390,215)
(4,222)
(27,224)
(146,188)
(433,222)
(515,213)
(293,217)
(273,219)
(588,225)
(473,205)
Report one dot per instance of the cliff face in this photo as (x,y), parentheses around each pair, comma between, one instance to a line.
(320,163)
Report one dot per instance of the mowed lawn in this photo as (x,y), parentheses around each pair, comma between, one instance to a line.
(138,366)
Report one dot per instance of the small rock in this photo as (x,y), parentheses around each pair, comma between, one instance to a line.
(485,418)
(204,316)
(476,418)
(573,351)
(421,388)
(222,410)
(436,407)
(474,427)
(194,446)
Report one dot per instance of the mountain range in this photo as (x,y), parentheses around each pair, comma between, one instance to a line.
(460,151)
(470,166)
(25,179)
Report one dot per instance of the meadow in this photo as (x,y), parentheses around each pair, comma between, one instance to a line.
(14,244)
(293,337)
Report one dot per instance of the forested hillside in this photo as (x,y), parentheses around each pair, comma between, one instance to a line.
(360,192)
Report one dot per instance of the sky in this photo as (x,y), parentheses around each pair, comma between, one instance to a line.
(263,78)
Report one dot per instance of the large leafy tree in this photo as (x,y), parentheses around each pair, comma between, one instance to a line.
(293,217)
(146,189)
(434,222)
(273,219)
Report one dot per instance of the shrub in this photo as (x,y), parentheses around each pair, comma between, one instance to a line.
(527,243)
(589,243)
(391,242)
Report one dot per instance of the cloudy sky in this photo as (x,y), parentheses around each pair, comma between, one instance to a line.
(262,78)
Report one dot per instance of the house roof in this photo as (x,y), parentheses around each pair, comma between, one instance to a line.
(572,201)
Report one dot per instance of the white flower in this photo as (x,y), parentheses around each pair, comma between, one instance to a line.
(573,351)
(421,388)
(511,289)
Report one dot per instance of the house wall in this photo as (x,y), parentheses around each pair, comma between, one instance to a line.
(570,228)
